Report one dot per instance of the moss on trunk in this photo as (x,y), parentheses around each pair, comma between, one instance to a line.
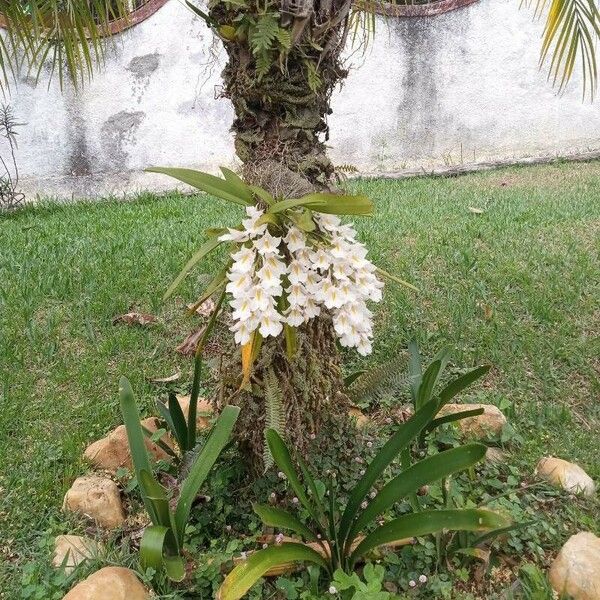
(281,99)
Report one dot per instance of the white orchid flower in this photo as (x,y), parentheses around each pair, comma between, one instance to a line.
(297,272)
(273,262)
(239,283)
(234,235)
(243,260)
(268,277)
(295,317)
(320,259)
(267,244)
(270,324)
(295,240)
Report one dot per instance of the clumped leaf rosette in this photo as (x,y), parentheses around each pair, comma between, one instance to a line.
(291,260)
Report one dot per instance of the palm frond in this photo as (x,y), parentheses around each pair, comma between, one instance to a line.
(571,33)
(67,33)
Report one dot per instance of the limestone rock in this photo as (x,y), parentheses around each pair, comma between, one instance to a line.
(361,419)
(97,498)
(72,550)
(110,583)
(112,452)
(490,423)
(203,408)
(569,476)
(575,572)
(496,456)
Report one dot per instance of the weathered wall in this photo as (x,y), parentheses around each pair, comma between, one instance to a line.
(457,88)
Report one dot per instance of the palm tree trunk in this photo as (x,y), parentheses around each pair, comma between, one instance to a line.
(280,133)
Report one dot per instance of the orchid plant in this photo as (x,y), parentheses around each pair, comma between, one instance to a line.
(290,260)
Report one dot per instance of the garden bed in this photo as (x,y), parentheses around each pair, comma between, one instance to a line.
(507,266)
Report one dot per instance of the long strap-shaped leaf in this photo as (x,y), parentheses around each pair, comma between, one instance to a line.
(460,383)
(237,184)
(295,202)
(153,546)
(283,459)
(178,424)
(203,181)
(423,473)
(426,388)
(205,249)
(135,438)
(415,370)
(277,517)
(336,204)
(215,443)
(426,522)
(244,576)
(459,416)
(156,494)
(405,434)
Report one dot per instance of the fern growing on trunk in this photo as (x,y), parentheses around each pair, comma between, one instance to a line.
(274,413)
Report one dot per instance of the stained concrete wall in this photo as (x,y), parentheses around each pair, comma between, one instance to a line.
(459,88)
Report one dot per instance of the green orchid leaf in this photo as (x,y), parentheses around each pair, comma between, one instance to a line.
(262,194)
(206,458)
(203,251)
(281,519)
(415,370)
(244,576)
(179,424)
(237,183)
(427,522)
(135,438)
(426,388)
(451,418)
(423,473)
(282,458)
(460,383)
(157,495)
(336,204)
(152,547)
(401,439)
(215,186)
(284,205)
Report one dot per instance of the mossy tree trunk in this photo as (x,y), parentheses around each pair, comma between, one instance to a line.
(281,96)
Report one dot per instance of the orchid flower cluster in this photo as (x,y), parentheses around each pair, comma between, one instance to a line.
(277,281)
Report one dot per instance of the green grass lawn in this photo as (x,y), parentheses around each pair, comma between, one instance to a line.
(517,286)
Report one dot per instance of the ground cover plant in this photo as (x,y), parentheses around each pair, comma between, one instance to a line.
(505,263)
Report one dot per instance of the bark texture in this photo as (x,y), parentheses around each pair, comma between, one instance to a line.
(281,98)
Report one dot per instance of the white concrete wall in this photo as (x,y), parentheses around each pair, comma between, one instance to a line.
(458,88)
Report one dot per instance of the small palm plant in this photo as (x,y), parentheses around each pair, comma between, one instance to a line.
(342,537)
(162,542)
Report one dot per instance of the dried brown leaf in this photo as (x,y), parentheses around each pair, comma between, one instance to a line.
(135,318)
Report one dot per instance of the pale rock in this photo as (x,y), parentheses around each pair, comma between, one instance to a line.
(361,419)
(575,572)
(569,476)
(109,583)
(495,456)
(72,550)
(490,423)
(203,408)
(97,498)
(112,452)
